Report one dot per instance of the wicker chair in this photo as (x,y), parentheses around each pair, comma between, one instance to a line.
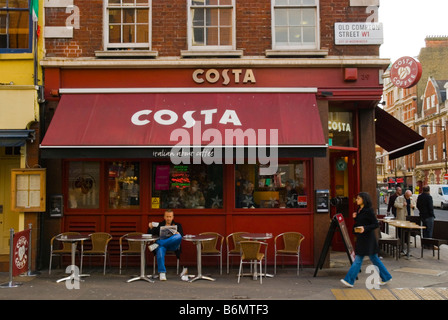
(134,248)
(66,249)
(291,247)
(100,240)
(233,246)
(213,248)
(250,252)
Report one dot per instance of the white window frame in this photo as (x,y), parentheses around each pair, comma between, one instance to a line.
(434,149)
(205,47)
(429,153)
(315,46)
(118,46)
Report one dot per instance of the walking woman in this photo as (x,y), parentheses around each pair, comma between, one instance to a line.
(366,242)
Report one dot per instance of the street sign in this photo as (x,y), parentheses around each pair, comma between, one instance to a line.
(445,176)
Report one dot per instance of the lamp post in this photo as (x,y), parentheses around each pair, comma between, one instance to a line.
(444,142)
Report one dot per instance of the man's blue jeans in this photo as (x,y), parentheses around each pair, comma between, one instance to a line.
(429,224)
(169,244)
(356,266)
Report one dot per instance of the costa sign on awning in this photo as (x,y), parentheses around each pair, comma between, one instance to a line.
(144,121)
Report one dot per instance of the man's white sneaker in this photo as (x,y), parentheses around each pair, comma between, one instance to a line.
(162,276)
(153,247)
(346,283)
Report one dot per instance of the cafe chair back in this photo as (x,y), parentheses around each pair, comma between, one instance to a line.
(133,247)
(233,246)
(290,247)
(100,241)
(250,253)
(213,248)
(63,249)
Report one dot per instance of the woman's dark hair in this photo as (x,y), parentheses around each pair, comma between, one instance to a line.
(366,200)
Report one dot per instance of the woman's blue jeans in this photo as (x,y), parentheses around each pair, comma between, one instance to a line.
(356,267)
(169,244)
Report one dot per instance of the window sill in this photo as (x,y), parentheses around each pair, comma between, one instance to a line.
(123,54)
(296,53)
(211,53)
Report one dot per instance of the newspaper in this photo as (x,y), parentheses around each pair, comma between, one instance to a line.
(167,231)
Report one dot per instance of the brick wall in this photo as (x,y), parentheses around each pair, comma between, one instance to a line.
(169,32)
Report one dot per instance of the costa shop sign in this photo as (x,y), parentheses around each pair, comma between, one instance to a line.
(406,72)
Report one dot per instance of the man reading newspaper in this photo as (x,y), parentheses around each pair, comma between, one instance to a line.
(170,234)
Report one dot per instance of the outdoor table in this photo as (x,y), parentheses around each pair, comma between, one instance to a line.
(259,237)
(73,239)
(197,239)
(143,239)
(406,226)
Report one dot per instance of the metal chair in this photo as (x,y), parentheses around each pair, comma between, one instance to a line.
(233,246)
(250,253)
(133,248)
(100,240)
(213,248)
(66,249)
(290,248)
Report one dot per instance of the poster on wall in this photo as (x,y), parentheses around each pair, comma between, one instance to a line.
(162,181)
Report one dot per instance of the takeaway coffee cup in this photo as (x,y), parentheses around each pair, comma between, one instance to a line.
(358,229)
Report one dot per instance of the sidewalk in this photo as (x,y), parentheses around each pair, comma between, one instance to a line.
(286,285)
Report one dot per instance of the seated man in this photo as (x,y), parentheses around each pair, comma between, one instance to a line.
(162,245)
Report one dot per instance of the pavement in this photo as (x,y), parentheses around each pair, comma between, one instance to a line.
(415,272)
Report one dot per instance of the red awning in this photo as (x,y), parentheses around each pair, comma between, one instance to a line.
(145,121)
(396,137)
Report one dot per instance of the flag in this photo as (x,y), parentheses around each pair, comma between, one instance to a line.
(35,9)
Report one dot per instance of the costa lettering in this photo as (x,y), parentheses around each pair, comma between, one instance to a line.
(168,117)
(405,72)
(226,76)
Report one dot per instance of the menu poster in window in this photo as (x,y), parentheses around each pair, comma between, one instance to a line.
(28,190)
(162,177)
(56,207)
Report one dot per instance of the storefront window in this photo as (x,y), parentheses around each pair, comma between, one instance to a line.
(340,129)
(124,185)
(187,186)
(285,189)
(83,185)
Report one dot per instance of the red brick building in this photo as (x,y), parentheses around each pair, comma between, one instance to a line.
(127,73)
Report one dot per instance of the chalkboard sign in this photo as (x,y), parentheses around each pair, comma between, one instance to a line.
(336,223)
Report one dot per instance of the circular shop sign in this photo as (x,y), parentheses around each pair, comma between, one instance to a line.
(405,72)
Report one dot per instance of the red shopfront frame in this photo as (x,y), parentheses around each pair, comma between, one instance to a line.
(229,219)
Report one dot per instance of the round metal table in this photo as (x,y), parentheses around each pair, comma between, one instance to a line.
(143,239)
(197,239)
(73,239)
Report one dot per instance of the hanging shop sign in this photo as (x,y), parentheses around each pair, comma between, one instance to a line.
(358,33)
(405,72)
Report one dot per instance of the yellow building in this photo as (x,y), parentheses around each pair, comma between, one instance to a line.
(20,52)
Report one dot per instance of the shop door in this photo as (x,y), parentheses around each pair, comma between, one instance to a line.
(343,189)
(8,219)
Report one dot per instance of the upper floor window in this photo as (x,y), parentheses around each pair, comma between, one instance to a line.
(127,24)
(295,24)
(15,26)
(211,24)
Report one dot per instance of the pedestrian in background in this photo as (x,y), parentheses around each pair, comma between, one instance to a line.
(391,203)
(405,205)
(366,241)
(426,211)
